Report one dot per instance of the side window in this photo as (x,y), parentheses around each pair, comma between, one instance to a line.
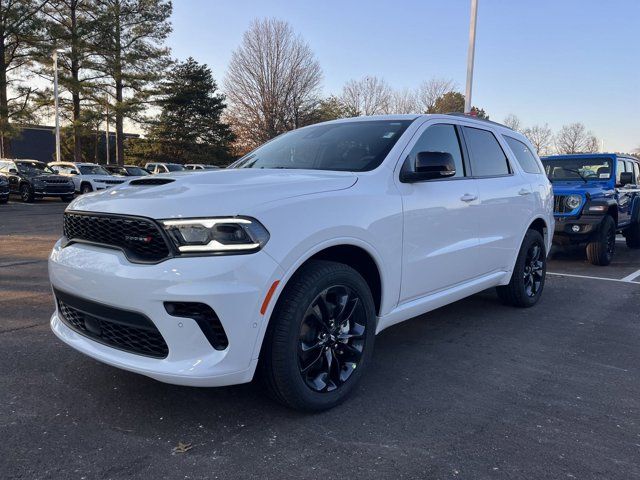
(523,154)
(440,138)
(636,171)
(487,157)
(619,170)
(4,166)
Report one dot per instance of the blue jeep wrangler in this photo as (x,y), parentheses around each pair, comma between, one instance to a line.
(595,197)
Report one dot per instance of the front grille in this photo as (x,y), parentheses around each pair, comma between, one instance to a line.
(113,182)
(56,181)
(559,205)
(49,188)
(121,329)
(139,238)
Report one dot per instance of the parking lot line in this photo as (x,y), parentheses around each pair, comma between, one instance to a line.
(632,276)
(626,279)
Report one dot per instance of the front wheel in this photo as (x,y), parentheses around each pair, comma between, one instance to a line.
(320,337)
(86,188)
(26,194)
(529,274)
(600,251)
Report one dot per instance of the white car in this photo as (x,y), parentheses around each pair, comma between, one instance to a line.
(295,257)
(200,166)
(87,177)
(162,167)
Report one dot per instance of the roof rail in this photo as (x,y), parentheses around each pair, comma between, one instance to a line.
(467,115)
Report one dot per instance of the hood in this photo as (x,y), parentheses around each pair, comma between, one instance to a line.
(214,193)
(592,189)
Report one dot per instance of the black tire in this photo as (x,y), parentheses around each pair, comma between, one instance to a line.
(4,200)
(632,236)
(66,198)
(298,329)
(529,274)
(86,188)
(600,251)
(26,193)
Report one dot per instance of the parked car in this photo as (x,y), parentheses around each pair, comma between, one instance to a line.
(87,177)
(33,180)
(200,166)
(159,167)
(4,189)
(596,196)
(293,259)
(126,171)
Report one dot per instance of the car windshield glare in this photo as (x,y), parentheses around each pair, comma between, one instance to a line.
(578,169)
(92,170)
(34,168)
(355,146)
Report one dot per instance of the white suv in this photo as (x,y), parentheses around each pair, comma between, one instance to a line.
(87,177)
(292,260)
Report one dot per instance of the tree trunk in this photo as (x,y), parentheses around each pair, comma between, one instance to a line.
(75,95)
(119,87)
(5,146)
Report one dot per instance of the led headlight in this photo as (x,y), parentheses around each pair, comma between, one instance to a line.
(217,235)
(573,201)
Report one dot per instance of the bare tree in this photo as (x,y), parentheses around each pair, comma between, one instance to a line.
(431,90)
(513,122)
(541,137)
(404,101)
(368,96)
(272,82)
(574,138)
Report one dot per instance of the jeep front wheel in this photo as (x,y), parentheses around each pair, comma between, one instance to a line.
(320,337)
(600,251)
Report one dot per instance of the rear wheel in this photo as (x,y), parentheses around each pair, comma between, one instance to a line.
(600,251)
(320,337)
(528,277)
(26,194)
(632,236)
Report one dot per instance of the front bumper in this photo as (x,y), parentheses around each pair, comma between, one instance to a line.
(53,190)
(571,230)
(233,286)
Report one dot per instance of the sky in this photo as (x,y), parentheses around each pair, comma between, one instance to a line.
(546,61)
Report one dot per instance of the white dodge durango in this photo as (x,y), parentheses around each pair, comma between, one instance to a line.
(290,261)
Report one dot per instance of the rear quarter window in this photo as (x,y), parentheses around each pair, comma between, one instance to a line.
(525,157)
(487,157)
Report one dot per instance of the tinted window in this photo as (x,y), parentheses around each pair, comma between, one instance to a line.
(439,138)
(523,154)
(487,157)
(347,146)
(92,170)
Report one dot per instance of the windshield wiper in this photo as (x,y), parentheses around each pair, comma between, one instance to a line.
(584,179)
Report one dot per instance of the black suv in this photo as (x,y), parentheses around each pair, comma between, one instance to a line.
(32,179)
(4,188)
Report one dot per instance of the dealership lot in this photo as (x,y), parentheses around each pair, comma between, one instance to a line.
(473,390)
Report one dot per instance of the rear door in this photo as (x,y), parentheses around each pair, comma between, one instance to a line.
(506,201)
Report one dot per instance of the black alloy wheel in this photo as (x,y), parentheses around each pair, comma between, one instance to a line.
(332,337)
(533,270)
(26,194)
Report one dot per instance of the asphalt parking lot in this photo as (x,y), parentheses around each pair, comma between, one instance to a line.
(471,391)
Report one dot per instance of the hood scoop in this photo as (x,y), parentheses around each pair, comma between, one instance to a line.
(151,181)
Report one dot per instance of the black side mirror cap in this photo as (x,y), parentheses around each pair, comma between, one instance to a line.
(430,166)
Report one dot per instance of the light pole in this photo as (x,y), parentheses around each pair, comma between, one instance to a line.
(55,100)
(106,135)
(470,55)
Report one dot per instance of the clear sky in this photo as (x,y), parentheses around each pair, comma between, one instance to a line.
(546,61)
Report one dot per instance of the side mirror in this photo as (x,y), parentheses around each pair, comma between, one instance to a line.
(55,170)
(73,172)
(431,166)
(13,170)
(626,178)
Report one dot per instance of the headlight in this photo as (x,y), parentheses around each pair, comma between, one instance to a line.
(573,201)
(217,235)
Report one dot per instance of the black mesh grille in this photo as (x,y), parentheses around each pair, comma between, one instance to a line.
(113,182)
(139,238)
(121,329)
(57,181)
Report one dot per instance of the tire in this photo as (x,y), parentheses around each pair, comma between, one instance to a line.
(632,236)
(26,194)
(527,280)
(300,326)
(86,188)
(66,198)
(600,251)
(4,200)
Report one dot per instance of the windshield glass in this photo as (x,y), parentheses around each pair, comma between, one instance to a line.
(345,146)
(578,169)
(92,170)
(34,168)
(174,167)
(136,171)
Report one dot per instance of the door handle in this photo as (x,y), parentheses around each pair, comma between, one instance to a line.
(524,191)
(467,197)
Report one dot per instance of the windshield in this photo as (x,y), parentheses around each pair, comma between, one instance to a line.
(92,170)
(174,167)
(136,171)
(345,146)
(578,169)
(34,168)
